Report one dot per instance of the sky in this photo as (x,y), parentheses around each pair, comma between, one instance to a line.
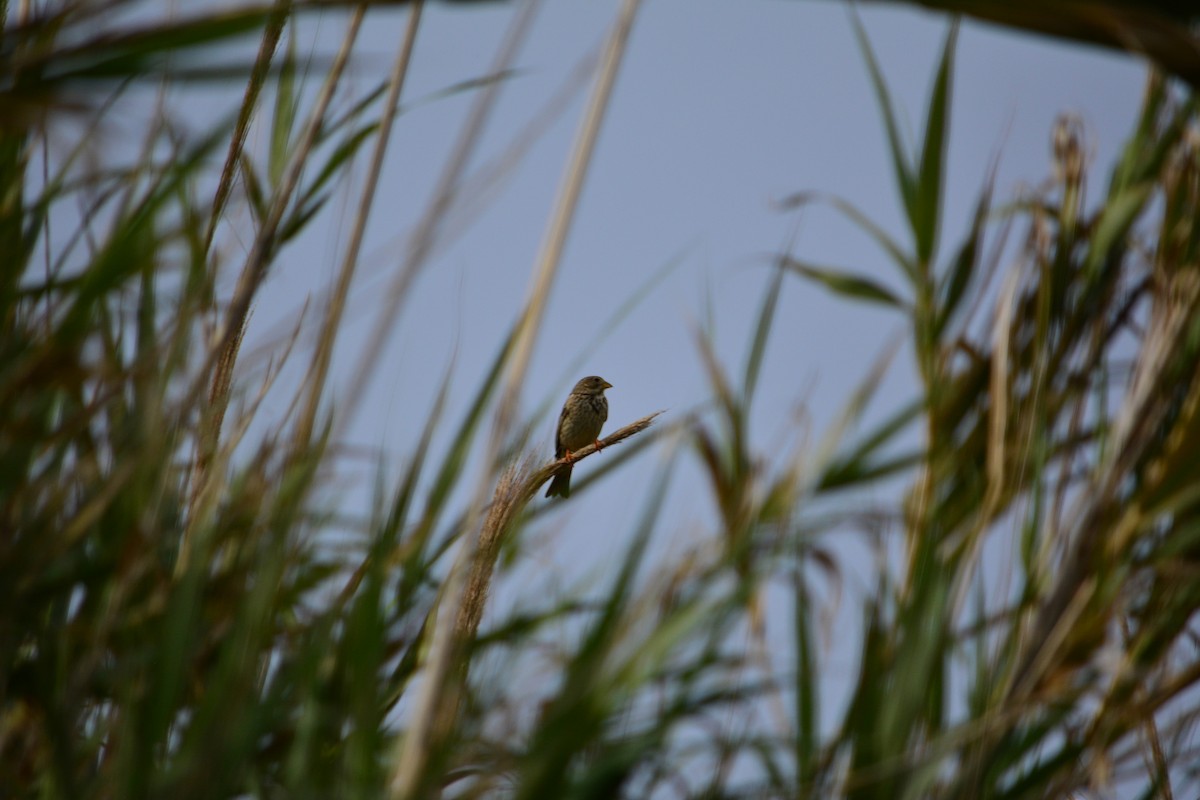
(722,109)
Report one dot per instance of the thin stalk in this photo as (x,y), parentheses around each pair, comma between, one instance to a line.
(519,485)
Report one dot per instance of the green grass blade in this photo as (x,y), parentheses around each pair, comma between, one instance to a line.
(284,119)
(906,181)
(847,284)
(762,331)
(925,216)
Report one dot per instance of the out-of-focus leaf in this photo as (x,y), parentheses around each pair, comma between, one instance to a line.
(926,212)
(1163,30)
(906,181)
(845,283)
(1115,222)
(954,283)
(333,165)
(130,52)
(807,681)
(762,331)
(285,116)
(868,225)
(254,190)
(294,224)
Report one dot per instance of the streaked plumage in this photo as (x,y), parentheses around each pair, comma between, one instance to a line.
(579,425)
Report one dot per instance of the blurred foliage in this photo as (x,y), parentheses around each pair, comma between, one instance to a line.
(1163,31)
(177,622)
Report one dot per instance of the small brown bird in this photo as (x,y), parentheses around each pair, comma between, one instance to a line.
(579,425)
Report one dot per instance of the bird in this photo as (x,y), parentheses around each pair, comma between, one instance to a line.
(579,425)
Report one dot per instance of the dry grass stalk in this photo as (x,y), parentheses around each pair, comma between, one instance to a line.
(1141,411)
(518,484)
(516,487)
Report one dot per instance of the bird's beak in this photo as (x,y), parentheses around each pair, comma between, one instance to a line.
(607,385)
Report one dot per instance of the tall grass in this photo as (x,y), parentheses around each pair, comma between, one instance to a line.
(174,625)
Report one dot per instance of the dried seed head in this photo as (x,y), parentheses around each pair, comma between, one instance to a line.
(1068,149)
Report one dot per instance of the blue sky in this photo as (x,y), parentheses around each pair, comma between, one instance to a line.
(722,109)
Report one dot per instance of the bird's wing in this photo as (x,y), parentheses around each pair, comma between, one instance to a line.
(559,451)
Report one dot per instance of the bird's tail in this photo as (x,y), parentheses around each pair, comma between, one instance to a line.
(561,485)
